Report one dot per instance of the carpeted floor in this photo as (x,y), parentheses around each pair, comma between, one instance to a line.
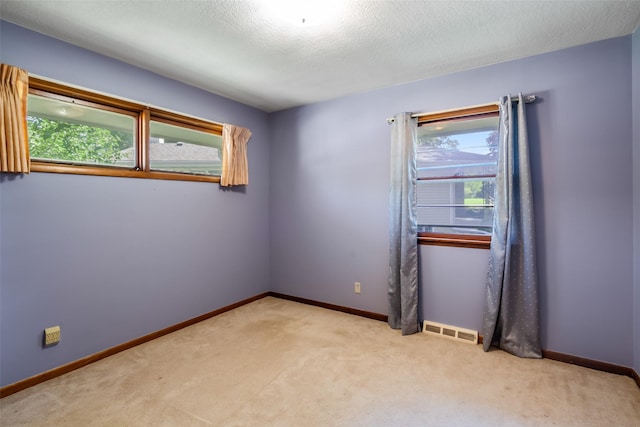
(276,362)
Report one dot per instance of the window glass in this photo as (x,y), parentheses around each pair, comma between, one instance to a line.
(180,149)
(456,161)
(67,132)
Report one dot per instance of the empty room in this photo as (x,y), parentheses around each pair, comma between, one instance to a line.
(331,213)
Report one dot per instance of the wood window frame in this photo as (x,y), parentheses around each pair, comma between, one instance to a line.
(456,240)
(142,114)
(448,239)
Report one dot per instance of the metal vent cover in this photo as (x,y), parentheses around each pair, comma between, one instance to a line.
(432,328)
(451,332)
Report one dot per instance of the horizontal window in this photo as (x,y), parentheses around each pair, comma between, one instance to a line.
(76,131)
(456,169)
(178,149)
(61,131)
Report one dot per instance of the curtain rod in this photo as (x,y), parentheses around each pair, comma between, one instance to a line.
(528,99)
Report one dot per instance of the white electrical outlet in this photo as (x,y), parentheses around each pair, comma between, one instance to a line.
(356,287)
(52,335)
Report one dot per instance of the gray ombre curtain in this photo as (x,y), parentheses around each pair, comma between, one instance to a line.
(403,233)
(511,319)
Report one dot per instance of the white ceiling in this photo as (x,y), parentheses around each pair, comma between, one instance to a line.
(260,53)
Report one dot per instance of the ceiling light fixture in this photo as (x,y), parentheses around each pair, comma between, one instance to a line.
(308,13)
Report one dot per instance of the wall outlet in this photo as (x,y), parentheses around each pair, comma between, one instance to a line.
(52,335)
(356,287)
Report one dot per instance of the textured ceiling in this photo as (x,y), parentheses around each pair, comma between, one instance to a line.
(259,52)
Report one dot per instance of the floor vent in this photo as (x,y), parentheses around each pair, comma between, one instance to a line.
(453,332)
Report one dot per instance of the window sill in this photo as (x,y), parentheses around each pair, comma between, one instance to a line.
(117,172)
(455,240)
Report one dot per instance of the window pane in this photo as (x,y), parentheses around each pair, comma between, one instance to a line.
(458,148)
(459,205)
(178,149)
(465,220)
(71,133)
(457,162)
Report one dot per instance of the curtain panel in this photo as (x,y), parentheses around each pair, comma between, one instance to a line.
(511,318)
(403,235)
(14,138)
(235,166)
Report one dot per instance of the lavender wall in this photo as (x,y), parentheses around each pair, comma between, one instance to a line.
(329,194)
(112,259)
(453,297)
(636,194)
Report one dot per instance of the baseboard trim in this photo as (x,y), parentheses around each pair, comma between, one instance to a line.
(593,364)
(588,363)
(348,310)
(636,377)
(72,366)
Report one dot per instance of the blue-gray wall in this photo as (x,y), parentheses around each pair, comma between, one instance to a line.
(112,259)
(329,196)
(636,195)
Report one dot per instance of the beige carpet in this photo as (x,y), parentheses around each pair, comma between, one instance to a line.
(276,362)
